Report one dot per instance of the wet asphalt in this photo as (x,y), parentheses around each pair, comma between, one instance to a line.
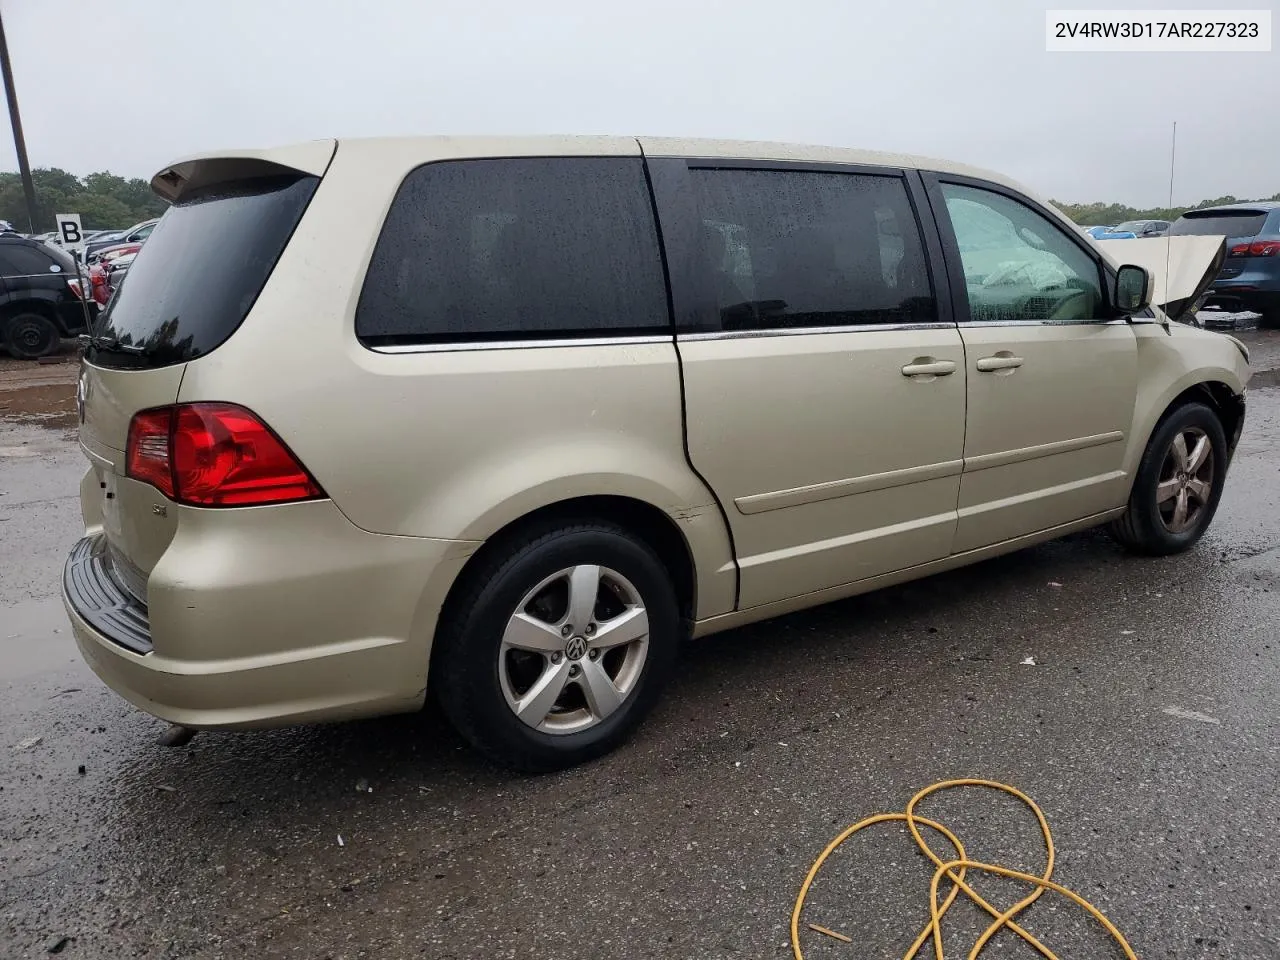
(1148,728)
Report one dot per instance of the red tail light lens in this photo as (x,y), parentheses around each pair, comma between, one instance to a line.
(215,455)
(147,452)
(1258,248)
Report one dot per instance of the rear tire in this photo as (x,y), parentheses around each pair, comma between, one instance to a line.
(1178,485)
(30,336)
(523,680)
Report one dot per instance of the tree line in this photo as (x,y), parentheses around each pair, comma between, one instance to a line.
(106,201)
(1109,214)
(103,200)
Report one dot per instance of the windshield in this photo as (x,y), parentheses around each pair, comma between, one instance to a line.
(1226,223)
(204,265)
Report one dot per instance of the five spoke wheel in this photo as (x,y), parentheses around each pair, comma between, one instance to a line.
(574,649)
(1186,479)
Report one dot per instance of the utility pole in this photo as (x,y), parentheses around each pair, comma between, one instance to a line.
(15,121)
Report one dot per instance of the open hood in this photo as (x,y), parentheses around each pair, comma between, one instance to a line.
(1181,268)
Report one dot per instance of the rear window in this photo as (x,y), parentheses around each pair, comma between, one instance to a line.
(200,271)
(1226,223)
(30,260)
(516,249)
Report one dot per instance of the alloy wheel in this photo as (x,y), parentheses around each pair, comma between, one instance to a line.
(1186,480)
(574,650)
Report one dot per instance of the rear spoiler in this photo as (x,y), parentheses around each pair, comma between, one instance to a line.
(1181,268)
(192,173)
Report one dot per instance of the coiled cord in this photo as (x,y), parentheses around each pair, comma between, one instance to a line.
(954,870)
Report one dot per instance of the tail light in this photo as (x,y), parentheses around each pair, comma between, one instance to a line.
(215,455)
(1258,248)
(76,287)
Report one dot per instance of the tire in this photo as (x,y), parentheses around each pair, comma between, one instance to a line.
(1166,483)
(30,336)
(525,594)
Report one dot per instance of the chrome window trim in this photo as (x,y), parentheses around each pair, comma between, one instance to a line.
(810,331)
(526,344)
(970,324)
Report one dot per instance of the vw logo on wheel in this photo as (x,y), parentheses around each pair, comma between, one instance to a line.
(576,648)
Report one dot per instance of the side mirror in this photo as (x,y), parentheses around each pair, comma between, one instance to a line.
(1133,289)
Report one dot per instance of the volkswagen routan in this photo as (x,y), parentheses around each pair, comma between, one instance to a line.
(504,421)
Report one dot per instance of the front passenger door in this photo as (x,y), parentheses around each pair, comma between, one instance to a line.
(1052,376)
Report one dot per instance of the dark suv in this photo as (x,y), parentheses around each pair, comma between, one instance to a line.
(40,298)
(1250,276)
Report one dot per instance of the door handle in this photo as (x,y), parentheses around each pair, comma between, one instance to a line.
(928,367)
(998,362)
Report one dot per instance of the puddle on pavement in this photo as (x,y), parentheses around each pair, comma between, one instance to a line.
(52,406)
(1264,378)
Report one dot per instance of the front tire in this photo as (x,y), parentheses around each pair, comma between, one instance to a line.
(557,646)
(30,336)
(1178,484)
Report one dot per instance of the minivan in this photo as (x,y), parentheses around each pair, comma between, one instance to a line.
(503,421)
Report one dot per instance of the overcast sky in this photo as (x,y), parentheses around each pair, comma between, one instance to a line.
(964,79)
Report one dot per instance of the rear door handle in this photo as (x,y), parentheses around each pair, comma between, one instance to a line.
(928,367)
(1005,362)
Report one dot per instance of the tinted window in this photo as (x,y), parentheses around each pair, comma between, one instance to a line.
(1226,223)
(1019,265)
(508,249)
(200,272)
(24,260)
(797,249)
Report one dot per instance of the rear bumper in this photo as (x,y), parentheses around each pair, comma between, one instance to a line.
(266,617)
(1249,291)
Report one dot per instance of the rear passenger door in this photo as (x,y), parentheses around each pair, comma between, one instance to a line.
(824,380)
(1052,373)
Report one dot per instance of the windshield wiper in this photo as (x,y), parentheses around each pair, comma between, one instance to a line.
(104,342)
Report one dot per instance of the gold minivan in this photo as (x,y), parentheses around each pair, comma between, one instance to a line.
(506,420)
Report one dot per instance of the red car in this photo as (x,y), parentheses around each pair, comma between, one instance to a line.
(112,253)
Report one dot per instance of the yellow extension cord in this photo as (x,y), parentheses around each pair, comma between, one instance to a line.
(954,870)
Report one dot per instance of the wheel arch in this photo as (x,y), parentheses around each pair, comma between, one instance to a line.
(12,308)
(1215,389)
(667,535)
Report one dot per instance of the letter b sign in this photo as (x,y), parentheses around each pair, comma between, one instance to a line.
(70,232)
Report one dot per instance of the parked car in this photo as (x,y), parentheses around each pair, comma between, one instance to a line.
(135,234)
(1110,233)
(116,270)
(115,252)
(1250,277)
(1144,228)
(98,287)
(508,419)
(41,300)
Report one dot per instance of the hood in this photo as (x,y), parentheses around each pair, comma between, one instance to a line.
(1181,268)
